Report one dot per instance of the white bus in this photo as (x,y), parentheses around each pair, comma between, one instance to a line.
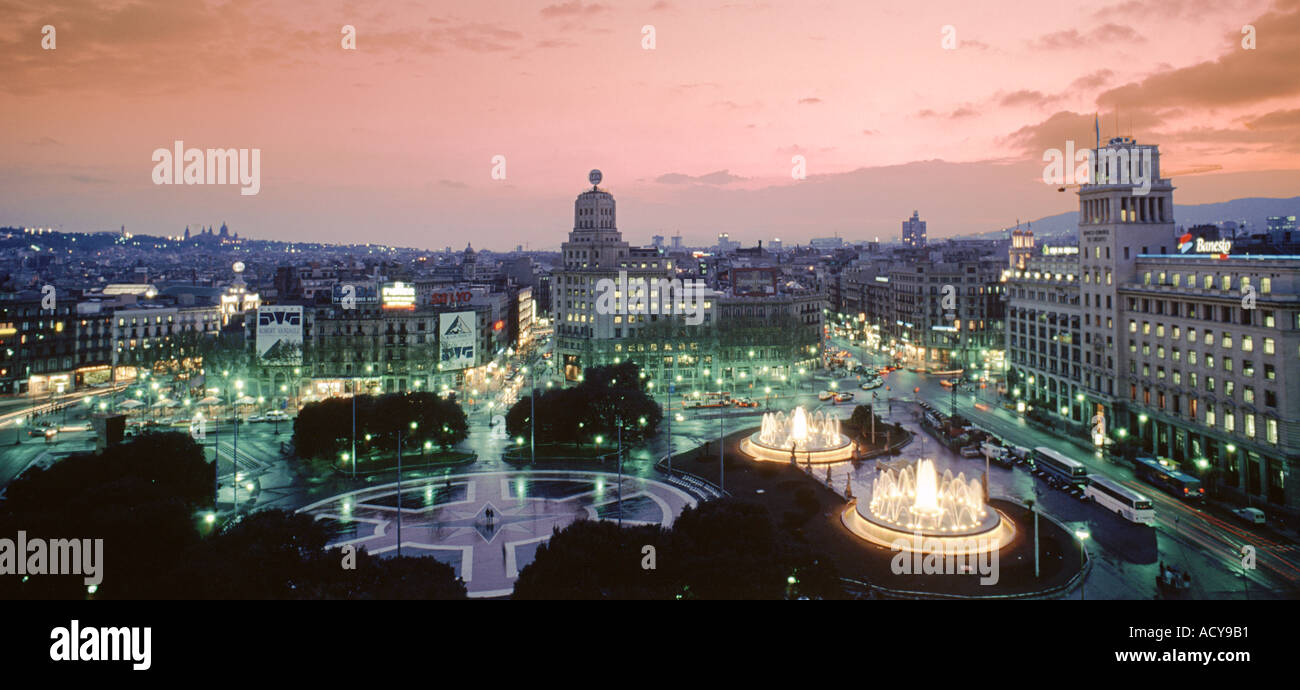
(1118,498)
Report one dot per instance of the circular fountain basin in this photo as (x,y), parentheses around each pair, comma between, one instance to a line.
(812,438)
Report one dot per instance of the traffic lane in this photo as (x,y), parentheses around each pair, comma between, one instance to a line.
(1218,538)
(1223,539)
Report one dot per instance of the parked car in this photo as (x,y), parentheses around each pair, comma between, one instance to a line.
(971,452)
(1254,516)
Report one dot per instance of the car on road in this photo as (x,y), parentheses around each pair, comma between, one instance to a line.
(1254,516)
(871,384)
(947,383)
(825,395)
(277,415)
(743,402)
(254,418)
(971,452)
(844,397)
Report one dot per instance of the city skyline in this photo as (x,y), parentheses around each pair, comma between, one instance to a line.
(362,146)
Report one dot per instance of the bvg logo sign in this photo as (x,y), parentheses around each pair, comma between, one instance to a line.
(458,327)
(281,318)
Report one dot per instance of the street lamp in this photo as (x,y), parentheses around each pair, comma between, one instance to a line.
(1083,534)
(414,426)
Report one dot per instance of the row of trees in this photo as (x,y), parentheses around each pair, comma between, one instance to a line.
(148,500)
(607,397)
(323,430)
(723,549)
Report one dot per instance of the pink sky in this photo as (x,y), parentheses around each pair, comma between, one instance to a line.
(393,142)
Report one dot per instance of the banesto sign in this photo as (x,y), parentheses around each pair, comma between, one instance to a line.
(451,297)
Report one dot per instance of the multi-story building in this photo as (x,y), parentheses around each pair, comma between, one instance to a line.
(914,231)
(1044,337)
(741,342)
(148,333)
(1190,351)
(948,314)
(46,351)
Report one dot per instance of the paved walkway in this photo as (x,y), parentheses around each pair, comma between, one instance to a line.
(488,525)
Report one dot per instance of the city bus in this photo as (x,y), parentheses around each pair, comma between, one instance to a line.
(1060,466)
(707,399)
(1182,485)
(1120,499)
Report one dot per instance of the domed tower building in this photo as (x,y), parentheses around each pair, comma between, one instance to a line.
(595,251)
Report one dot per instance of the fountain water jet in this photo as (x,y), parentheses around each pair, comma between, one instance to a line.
(812,437)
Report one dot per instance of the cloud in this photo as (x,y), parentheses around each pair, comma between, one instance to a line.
(1026,97)
(570,9)
(1093,80)
(1106,33)
(963,111)
(1278,119)
(721,177)
(1237,78)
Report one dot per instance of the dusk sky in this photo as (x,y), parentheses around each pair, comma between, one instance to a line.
(393,142)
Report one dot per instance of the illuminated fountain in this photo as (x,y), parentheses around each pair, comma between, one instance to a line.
(810,436)
(920,510)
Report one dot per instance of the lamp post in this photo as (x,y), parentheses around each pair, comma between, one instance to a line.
(1035,512)
(414,426)
(1083,534)
(234,449)
(354,427)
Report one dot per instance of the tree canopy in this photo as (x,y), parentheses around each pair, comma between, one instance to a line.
(606,398)
(324,429)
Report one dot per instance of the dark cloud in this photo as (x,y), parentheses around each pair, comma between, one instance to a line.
(1239,77)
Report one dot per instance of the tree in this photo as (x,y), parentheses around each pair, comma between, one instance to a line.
(596,559)
(722,549)
(140,498)
(324,429)
(276,554)
(607,398)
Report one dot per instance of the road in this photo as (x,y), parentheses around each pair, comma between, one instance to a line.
(1203,540)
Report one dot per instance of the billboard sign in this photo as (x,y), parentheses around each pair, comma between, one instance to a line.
(456,335)
(398,295)
(450,297)
(279,335)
